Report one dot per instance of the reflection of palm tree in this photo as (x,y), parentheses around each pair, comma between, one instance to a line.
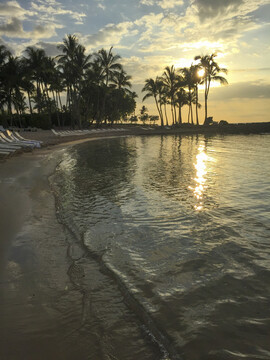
(212,70)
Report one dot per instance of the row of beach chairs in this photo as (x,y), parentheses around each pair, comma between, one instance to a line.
(84,132)
(12,143)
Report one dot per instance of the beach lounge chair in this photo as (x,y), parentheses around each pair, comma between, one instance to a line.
(10,141)
(22,138)
(8,144)
(25,142)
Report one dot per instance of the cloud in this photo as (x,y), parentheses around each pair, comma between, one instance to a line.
(54,8)
(244,90)
(227,21)
(50,48)
(111,34)
(211,8)
(164,4)
(14,9)
(101,6)
(169,4)
(13,28)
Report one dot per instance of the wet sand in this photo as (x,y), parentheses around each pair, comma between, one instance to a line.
(44,307)
(33,260)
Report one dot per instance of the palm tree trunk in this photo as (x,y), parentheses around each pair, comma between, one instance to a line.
(172,114)
(175,117)
(161,113)
(180,114)
(30,105)
(197,117)
(161,118)
(56,104)
(165,109)
(205,101)
(191,112)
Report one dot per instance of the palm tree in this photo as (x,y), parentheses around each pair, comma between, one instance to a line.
(211,71)
(11,82)
(73,64)
(35,59)
(181,100)
(151,88)
(109,65)
(4,55)
(144,116)
(170,82)
(121,80)
(188,79)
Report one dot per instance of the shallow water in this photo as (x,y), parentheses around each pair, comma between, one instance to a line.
(169,245)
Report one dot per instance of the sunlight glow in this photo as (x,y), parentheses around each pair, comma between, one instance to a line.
(201,171)
(201,72)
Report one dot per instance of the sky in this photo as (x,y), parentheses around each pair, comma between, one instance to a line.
(152,34)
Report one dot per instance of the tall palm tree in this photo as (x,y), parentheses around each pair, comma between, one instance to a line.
(188,79)
(35,63)
(211,71)
(109,65)
(121,80)
(73,64)
(181,100)
(4,55)
(151,88)
(11,82)
(170,82)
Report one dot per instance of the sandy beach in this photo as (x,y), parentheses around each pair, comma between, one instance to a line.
(43,311)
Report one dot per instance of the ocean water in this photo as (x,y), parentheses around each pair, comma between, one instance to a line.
(169,245)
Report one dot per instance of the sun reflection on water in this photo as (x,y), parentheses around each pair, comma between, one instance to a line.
(200,180)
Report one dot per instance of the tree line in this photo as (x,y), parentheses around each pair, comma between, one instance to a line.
(96,87)
(179,87)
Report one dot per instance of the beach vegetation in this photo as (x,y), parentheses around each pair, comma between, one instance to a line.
(74,89)
(180,87)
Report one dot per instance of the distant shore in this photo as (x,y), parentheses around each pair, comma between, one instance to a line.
(49,139)
(241,128)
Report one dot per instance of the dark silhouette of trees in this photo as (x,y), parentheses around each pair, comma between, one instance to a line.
(75,88)
(211,71)
(180,87)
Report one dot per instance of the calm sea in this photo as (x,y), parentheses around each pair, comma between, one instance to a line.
(169,245)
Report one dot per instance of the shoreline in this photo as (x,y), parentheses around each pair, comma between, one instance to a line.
(44,307)
(49,139)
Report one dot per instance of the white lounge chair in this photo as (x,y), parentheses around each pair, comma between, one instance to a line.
(22,138)
(24,142)
(10,141)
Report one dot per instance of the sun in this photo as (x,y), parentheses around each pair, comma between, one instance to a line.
(201,72)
